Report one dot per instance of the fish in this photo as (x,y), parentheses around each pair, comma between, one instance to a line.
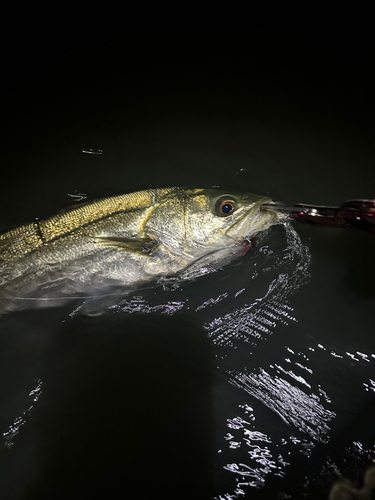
(121,242)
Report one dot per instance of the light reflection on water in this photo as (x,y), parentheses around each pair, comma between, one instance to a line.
(246,326)
(239,323)
(300,410)
(19,421)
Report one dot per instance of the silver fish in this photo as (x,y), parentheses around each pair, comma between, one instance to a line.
(123,241)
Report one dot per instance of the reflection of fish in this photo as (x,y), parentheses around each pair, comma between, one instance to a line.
(125,240)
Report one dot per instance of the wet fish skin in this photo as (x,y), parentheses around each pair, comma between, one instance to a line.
(125,240)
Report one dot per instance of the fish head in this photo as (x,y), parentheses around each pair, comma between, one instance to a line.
(195,222)
(219,218)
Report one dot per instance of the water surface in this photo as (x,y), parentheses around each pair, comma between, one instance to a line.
(254,381)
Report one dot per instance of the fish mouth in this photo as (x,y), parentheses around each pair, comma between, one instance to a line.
(253,221)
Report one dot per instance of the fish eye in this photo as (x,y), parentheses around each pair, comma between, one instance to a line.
(224,207)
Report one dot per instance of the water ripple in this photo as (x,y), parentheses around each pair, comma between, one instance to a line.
(294,406)
(19,421)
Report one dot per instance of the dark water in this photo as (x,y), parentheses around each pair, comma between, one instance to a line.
(257,381)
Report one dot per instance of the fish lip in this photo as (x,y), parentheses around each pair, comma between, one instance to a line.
(254,211)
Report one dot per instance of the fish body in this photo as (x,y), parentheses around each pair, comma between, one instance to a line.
(126,240)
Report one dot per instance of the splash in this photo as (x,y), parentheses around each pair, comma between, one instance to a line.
(261,317)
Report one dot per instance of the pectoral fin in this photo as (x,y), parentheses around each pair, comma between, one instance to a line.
(143,246)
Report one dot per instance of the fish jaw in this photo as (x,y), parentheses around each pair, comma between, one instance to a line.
(253,221)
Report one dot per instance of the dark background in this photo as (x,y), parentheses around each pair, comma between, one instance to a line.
(274,103)
(262,93)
